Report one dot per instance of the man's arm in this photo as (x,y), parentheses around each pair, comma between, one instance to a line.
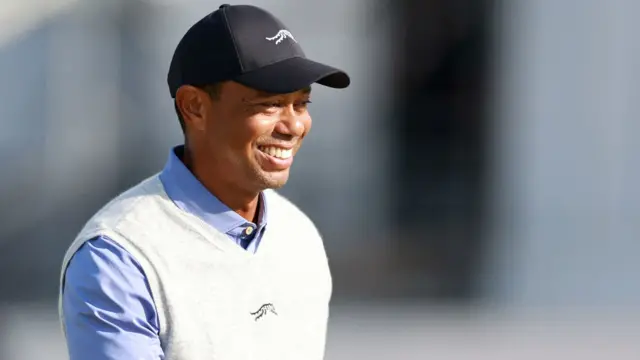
(108,309)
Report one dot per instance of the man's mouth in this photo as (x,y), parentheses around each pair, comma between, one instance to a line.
(276,152)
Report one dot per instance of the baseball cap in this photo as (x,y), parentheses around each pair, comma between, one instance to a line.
(249,45)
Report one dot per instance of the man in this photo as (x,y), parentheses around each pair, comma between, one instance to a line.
(204,260)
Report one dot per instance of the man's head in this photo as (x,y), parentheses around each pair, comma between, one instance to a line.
(244,136)
(241,85)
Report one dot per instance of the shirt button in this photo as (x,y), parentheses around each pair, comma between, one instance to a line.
(248,230)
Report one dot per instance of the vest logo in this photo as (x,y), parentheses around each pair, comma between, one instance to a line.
(264,310)
(281,35)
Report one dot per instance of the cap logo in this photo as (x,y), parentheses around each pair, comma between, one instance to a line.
(281,35)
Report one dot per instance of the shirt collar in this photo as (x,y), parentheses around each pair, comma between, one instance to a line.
(186,191)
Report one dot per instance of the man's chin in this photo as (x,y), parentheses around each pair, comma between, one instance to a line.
(272,179)
(275,186)
(275,179)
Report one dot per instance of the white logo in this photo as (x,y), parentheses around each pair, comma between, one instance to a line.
(281,35)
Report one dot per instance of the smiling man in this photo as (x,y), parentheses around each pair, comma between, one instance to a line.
(204,260)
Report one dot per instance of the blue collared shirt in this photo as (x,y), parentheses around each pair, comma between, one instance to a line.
(108,309)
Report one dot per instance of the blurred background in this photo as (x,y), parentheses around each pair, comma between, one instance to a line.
(477,186)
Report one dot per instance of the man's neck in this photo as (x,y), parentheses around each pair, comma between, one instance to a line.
(245,204)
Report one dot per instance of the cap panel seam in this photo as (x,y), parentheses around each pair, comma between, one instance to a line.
(233,39)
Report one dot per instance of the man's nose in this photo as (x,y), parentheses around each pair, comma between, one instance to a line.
(291,123)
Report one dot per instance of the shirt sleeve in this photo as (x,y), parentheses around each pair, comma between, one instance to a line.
(107,305)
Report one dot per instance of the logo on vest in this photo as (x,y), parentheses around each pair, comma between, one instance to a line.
(264,310)
(281,35)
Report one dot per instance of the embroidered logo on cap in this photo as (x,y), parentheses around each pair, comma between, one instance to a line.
(281,35)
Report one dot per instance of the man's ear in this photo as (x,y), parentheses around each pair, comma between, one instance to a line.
(190,103)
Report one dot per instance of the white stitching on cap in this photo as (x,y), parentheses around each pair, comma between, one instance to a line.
(281,35)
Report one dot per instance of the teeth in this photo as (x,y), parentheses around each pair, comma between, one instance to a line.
(277,152)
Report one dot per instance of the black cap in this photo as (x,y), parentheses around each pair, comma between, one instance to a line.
(248,45)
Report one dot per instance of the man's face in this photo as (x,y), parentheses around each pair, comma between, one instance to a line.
(249,137)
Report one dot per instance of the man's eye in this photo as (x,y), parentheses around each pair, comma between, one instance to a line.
(270,104)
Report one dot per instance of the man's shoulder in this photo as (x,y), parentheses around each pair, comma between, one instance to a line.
(281,208)
(99,254)
(129,210)
(129,202)
(280,203)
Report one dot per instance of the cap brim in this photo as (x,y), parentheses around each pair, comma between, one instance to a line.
(293,74)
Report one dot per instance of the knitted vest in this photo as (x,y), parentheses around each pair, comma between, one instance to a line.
(215,300)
